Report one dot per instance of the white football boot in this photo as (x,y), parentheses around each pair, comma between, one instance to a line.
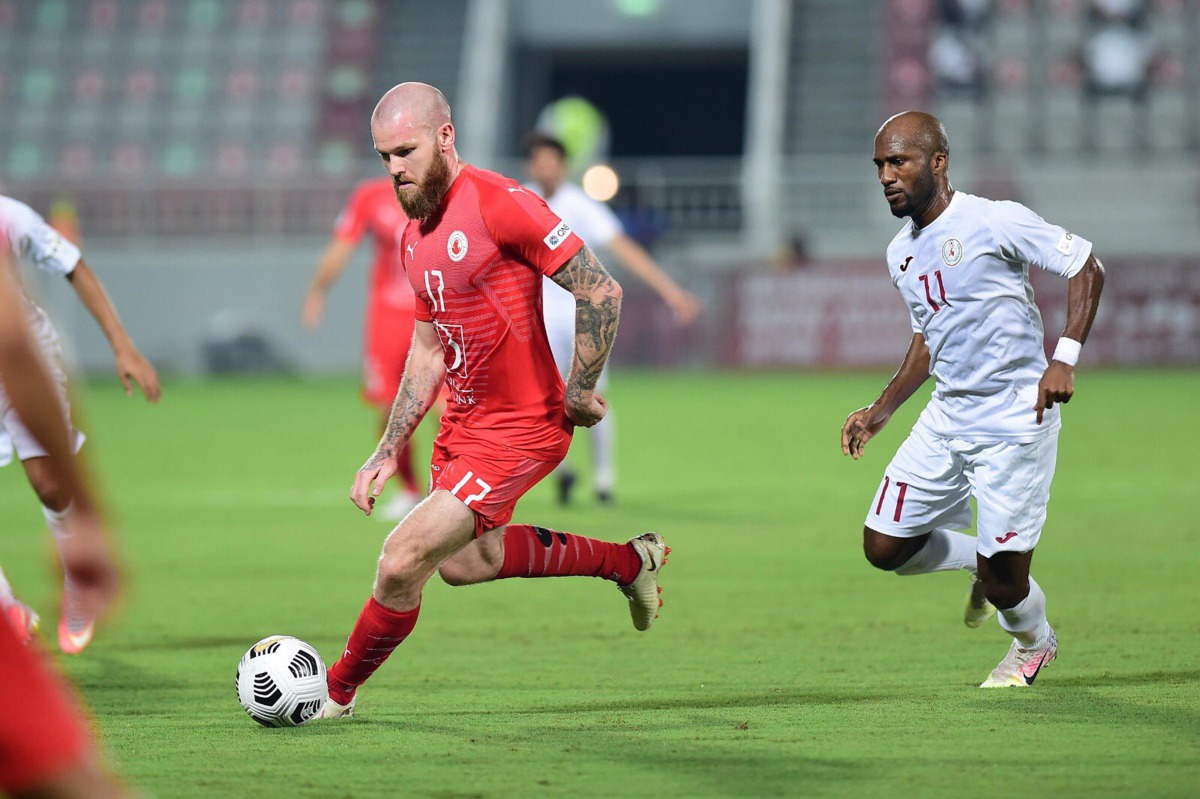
(978,609)
(1021,667)
(643,592)
(332,710)
(399,506)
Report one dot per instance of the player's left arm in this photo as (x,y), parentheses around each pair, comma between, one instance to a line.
(1083,298)
(597,309)
(131,364)
(633,256)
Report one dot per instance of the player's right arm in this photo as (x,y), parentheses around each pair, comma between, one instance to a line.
(86,554)
(862,425)
(330,266)
(597,309)
(424,372)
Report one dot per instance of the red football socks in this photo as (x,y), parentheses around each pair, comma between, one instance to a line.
(537,552)
(377,632)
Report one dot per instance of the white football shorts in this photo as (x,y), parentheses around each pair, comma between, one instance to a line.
(931,480)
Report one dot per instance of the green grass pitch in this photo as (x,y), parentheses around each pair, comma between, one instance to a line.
(783,665)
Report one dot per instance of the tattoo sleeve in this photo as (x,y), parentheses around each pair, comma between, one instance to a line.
(424,371)
(597,308)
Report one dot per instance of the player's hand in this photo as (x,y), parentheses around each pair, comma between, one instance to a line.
(88,561)
(313,311)
(132,367)
(1057,385)
(370,480)
(585,409)
(684,306)
(860,427)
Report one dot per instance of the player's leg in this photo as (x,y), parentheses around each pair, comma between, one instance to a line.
(604,445)
(432,532)
(524,550)
(558,310)
(922,501)
(75,629)
(1012,492)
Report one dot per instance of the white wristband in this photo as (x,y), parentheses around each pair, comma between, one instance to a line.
(1067,351)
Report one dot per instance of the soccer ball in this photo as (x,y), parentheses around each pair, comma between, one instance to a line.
(281,682)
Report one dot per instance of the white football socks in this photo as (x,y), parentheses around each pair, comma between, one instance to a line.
(945,550)
(1026,620)
(604,462)
(57,522)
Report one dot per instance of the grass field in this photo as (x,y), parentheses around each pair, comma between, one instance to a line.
(783,665)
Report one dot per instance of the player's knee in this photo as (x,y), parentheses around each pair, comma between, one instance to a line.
(1005,595)
(882,551)
(50,491)
(399,569)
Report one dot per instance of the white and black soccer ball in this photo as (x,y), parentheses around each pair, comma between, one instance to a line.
(281,682)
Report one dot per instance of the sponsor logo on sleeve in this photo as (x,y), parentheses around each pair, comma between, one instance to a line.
(904,266)
(1066,243)
(558,235)
(952,252)
(456,246)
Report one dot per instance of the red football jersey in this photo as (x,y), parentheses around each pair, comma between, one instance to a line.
(374,209)
(476,266)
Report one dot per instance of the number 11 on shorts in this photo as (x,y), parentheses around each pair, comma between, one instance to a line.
(902,489)
(484,488)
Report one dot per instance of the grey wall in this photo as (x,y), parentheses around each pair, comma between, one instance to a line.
(172,295)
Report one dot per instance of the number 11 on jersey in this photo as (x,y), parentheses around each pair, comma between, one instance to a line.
(928,294)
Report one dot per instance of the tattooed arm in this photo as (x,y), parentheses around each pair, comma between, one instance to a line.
(597,307)
(424,372)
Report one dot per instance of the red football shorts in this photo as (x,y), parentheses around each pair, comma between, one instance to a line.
(41,732)
(389,337)
(488,481)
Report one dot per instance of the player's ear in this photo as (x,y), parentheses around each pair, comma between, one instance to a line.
(445,137)
(939,162)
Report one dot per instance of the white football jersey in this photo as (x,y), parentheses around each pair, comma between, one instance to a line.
(33,241)
(592,221)
(965,279)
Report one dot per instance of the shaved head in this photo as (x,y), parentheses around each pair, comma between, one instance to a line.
(414,135)
(911,156)
(417,104)
(916,128)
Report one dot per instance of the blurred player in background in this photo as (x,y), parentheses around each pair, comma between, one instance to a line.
(391,306)
(990,432)
(45,747)
(598,226)
(34,241)
(475,251)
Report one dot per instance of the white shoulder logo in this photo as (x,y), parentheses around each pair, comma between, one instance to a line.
(558,235)
(1066,243)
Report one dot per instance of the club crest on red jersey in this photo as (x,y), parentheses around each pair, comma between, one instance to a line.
(456,246)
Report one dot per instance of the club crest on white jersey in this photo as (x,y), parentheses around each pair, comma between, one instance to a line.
(952,252)
(456,246)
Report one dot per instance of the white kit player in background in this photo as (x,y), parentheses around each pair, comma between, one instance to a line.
(599,227)
(990,431)
(39,245)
